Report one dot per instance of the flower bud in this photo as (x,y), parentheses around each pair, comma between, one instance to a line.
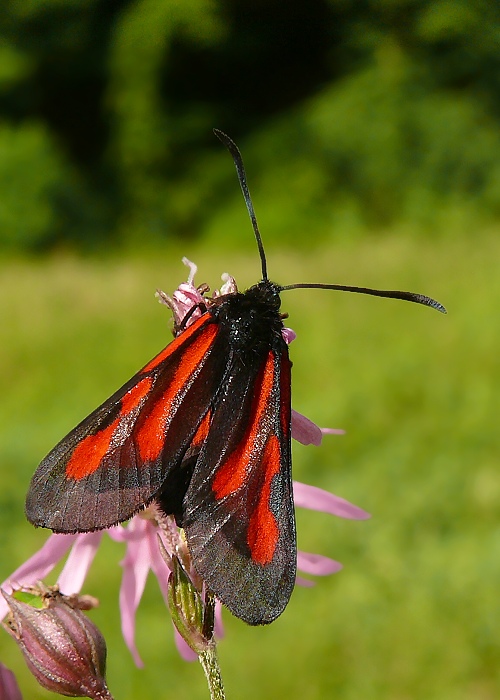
(188,609)
(63,649)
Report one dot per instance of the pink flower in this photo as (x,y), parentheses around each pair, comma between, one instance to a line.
(140,534)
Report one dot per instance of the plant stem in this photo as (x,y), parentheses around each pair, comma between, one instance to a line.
(208,660)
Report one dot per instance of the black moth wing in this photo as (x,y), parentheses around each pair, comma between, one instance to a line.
(113,463)
(238,510)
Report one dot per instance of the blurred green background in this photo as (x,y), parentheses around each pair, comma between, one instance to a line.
(371,137)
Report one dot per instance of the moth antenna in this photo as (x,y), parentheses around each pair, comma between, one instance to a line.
(392,294)
(240,169)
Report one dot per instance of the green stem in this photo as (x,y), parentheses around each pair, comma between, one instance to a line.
(208,660)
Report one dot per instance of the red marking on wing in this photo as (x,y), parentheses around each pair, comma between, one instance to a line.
(232,474)
(263,532)
(88,454)
(150,436)
(133,398)
(201,434)
(176,343)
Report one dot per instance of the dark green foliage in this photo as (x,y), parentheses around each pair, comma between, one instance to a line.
(352,116)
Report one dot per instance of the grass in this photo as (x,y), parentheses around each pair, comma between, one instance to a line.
(414,614)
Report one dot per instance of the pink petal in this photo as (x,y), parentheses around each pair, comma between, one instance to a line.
(78,562)
(288,335)
(122,533)
(306,582)
(37,566)
(185,297)
(304,430)
(332,431)
(9,690)
(136,564)
(314,498)
(229,286)
(219,625)
(193,269)
(316,564)
(142,555)
(159,567)
(183,647)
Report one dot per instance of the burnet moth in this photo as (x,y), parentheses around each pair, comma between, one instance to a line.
(204,430)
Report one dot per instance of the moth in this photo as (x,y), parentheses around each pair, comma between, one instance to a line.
(203,429)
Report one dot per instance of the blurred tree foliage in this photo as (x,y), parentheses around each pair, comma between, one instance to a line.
(353,115)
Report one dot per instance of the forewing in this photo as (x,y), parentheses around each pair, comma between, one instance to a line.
(117,458)
(238,510)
